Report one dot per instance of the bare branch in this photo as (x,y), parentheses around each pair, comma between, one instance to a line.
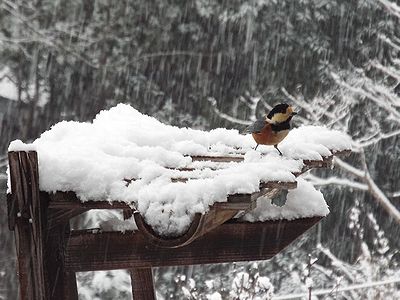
(225,116)
(391,7)
(362,92)
(375,191)
(377,137)
(318,181)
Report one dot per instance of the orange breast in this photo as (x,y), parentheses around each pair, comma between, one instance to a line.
(269,137)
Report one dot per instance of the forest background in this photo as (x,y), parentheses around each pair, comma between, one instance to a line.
(207,64)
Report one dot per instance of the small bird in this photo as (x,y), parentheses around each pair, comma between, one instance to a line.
(274,127)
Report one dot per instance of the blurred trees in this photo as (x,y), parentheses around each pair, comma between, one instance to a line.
(197,63)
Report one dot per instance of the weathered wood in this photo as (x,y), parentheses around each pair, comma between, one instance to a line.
(48,259)
(56,217)
(60,283)
(28,226)
(11,212)
(218,158)
(238,206)
(141,278)
(219,213)
(282,185)
(142,284)
(169,242)
(41,275)
(69,200)
(229,242)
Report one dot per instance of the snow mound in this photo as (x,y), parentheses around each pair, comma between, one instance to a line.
(127,156)
(296,205)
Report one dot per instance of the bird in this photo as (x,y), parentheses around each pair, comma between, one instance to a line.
(274,127)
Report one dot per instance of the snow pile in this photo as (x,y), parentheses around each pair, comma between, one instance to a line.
(302,202)
(93,159)
(313,142)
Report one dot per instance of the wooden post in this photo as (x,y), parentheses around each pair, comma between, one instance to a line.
(141,278)
(142,284)
(25,203)
(41,270)
(60,284)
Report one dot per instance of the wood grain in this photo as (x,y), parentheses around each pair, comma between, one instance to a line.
(142,284)
(229,242)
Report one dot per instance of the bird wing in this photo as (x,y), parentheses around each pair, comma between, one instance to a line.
(257,126)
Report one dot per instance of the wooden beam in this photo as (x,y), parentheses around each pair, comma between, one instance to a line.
(69,200)
(218,158)
(229,242)
(142,284)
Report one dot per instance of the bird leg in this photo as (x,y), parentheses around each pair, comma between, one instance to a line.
(256,147)
(276,147)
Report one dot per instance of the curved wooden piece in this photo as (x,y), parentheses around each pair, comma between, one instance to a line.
(201,224)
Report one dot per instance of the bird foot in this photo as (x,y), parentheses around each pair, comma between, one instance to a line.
(276,147)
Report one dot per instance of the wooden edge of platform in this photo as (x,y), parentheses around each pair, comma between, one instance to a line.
(230,242)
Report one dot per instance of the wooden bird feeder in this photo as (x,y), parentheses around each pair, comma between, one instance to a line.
(49,253)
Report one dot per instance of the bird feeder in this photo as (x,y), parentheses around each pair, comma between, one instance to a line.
(49,253)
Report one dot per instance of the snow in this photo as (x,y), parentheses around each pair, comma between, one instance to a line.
(92,284)
(18,145)
(8,89)
(304,201)
(93,159)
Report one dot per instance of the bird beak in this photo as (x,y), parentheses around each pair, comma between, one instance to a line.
(294,113)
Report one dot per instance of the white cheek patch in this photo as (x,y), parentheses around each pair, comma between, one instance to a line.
(279,117)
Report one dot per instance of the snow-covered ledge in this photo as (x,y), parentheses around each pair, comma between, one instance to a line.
(158,170)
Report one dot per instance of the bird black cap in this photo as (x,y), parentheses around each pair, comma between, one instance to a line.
(280,108)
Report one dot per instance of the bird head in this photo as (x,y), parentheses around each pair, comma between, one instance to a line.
(281,113)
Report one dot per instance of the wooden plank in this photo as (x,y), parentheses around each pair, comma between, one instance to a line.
(218,158)
(234,205)
(69,200)
(142,284)
(282,185)
(230,242)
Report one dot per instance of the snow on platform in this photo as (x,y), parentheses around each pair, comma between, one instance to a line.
(163,171)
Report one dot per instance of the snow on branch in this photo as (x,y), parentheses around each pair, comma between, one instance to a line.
(376,138)
(375,191)
(227,117)
(388,41)
(318,181)
(391,7)
(342,289)
(392,72)
(362,92)
(345,268)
